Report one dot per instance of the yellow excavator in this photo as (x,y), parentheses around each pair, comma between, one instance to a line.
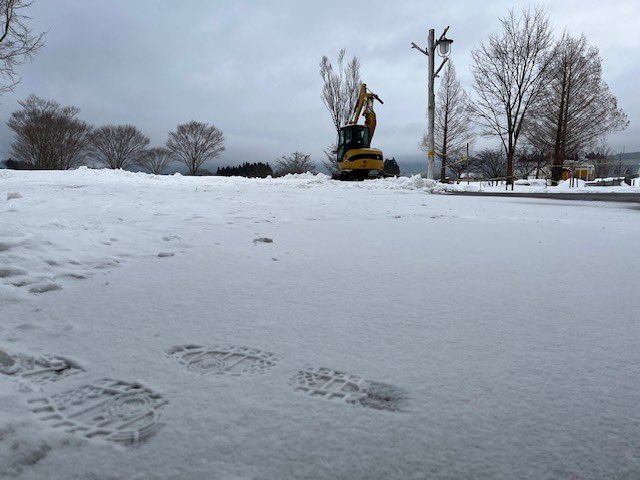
(356,159)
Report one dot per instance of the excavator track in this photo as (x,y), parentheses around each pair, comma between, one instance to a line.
(359,176)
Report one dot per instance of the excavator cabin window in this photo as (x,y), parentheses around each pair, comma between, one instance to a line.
(352,136)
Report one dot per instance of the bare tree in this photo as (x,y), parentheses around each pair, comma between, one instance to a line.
(530,161)
(331,161)
(155,160)
(460,165)
(117,146)
(340,88)
(297,162)
(620,167)
(452,120)
(508,76)
(194,143)
(576,109)
(600,158)
(48,136)
(491,163)
(17,42)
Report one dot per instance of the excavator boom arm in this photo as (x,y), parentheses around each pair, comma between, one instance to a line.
(365,102)
(362,98)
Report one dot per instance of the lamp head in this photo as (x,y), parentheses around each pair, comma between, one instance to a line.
(444,47)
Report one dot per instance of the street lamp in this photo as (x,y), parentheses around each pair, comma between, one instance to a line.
(444,50)
(444,46)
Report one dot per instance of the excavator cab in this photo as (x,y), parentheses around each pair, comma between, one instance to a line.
(352,136)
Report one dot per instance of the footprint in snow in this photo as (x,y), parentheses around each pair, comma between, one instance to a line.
(107,263)
(43,287)
(71,275)
(223,360)
(32,373)
(6,360)
(22,281)
(121,412)
(6,272)
(346,388)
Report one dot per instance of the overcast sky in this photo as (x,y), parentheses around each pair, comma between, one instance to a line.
(251,67)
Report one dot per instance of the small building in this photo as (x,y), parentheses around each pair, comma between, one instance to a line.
(578,170)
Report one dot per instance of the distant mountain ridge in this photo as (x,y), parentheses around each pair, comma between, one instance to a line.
(631,156)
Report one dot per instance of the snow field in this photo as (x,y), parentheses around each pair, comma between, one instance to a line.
(383,333)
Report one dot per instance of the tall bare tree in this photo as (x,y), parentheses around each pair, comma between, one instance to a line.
(194,143)
(48,136)
(452,120)
(117,146)
(340,88)
(18,43)
(508,77)
(155,160)
(297,162)
(576,110)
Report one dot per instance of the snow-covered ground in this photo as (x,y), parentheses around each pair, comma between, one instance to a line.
(299,328)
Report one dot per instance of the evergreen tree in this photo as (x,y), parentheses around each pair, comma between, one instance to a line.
(251,170)
(391,167)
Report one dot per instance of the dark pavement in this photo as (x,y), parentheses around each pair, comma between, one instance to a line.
(589,197)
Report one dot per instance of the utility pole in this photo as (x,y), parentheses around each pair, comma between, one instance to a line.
(444,45)
(431,105)
(468,169)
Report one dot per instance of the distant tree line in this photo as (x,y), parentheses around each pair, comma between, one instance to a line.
(491,164)
(49,136)
(252,170)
